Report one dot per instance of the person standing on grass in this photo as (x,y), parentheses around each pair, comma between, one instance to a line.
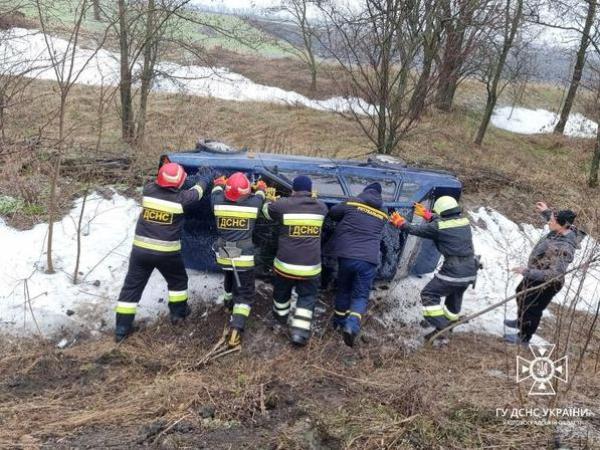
(545,272)
(298,261)
(356,242)
(157,245)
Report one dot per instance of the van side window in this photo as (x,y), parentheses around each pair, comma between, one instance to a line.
(326,185)
(356,184)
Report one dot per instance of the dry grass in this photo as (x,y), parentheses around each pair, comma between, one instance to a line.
(268,396)
(509,172)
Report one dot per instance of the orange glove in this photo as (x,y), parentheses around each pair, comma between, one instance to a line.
(397,220)
(221,181)
(260,186)
(423,212)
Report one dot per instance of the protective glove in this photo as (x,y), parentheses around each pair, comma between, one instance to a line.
(260,185)
(397,220)
(271,194)
(221,181)
(423,212)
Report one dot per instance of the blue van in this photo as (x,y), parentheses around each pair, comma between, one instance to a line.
(334,181)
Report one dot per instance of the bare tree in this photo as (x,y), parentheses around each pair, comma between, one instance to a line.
(67,66)
(300,33)
(465,24)
(377,48)
(430,47)
(97,10)
(500,48)
(578,67)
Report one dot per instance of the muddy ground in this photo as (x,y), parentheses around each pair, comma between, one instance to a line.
(160,390)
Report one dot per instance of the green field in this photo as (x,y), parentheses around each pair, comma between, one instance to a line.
(207,29)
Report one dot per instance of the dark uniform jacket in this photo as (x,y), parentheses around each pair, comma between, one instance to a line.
(301,220)
(552,255)
(235,225)
(453,238)
(159,226)
(358,233)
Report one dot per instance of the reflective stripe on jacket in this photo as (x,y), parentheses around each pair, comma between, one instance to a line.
(453,238)
(301,220)
(158,229)
(360,225)
(235,224)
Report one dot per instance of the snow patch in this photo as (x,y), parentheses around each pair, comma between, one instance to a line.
(58,305)
(25,52)
(502,245)
(55,303)
(530,121)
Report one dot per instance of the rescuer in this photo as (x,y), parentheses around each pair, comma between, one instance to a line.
(157,245)
(356,242)
(544,275)
(236,210)
(298,260)
(451,233)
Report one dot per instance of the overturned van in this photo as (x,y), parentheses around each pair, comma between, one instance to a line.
(334,181)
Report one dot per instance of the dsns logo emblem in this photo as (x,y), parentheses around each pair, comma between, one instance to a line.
(542,369)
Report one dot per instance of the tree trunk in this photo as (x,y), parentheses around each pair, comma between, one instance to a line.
(417,102)
(493,87)
(578,69)
(127,125)
(96,5)
(313,79)
(451,67)
(147,70)
(54,183)
(595,166)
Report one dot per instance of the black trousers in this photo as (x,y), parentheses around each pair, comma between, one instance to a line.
(438,315)
(531,305)
(243,295)
(141,266)
(306,288)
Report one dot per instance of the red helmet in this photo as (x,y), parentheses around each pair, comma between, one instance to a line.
(171,175)
(237,186)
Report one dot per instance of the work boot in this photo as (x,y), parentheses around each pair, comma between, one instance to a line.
(299,337)
(424,323)
(280,320)
(349,335)
(234,338)
(178,316)
(511,323)
(515,339)
(338,322)
(122,332)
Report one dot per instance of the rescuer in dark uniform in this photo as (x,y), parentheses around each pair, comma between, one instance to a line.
(298,261)
(236,210)
(157,245)
(356,242)
(451,233)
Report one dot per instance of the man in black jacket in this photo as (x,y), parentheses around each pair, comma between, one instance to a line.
(298,261)
(546,266)
(356,242)
(451,233)
(236,210)
(157,245)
